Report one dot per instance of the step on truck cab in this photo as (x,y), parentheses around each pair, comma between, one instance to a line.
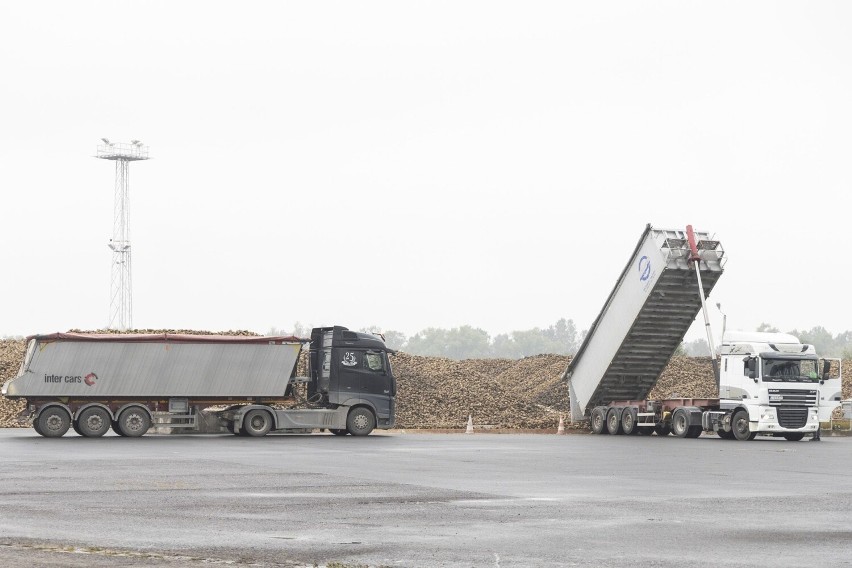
(131,382)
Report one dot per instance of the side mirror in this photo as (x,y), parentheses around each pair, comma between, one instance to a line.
(826,368)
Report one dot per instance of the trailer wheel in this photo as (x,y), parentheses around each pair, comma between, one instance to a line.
(53,422)
(93,422)
(36,428)
(133,422)
(257,423)
(116,429)
(613,422)
(740,428)
(75,425)
(337,432)
(663,429)
(694,432)
(680,423)
(597,421)
(628,421)
(360,421)
(794,436)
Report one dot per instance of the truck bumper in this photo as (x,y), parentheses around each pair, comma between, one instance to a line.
(768,422)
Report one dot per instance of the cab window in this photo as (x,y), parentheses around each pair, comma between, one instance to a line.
(374,362)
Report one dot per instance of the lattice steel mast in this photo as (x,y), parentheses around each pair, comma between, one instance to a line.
(121,290)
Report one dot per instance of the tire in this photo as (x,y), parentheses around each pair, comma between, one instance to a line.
(740,427)
(613,422)
(133,422)
(694,431)
(36,428)
(725,435)
(597,421)
(644,431)
(76,427)
(628,422)
(794,436)
(53,422)
(116,429)
(257,423)
(339,432)
(663,429)
(680,424)
(93,422)
(360,421)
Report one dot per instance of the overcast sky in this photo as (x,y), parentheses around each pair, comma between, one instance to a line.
(409,165)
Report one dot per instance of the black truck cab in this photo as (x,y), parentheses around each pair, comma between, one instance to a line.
(352,368)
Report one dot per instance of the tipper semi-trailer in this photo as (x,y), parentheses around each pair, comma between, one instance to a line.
(768,384)
(94,382)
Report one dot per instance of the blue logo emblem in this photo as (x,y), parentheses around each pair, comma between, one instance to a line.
(644,268)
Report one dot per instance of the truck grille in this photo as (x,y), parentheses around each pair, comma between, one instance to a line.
(792,397)
(792,417)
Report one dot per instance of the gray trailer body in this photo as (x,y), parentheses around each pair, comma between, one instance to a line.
(643,320)
(116,366)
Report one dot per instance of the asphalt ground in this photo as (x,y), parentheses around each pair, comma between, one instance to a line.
(423,500)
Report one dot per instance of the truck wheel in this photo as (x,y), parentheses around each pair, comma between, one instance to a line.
(725,435)
(613,422)
(339,432)
(76,427)
(628,421)
(257,423)
(360,421)
(116,429)
(36,428)
(53,422)
(662,429)
(694,432)
(680,423)
(739,426)
(794,436)
(598,421)
(133,422)
(93,422)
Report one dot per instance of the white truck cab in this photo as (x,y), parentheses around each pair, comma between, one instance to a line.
(784,385)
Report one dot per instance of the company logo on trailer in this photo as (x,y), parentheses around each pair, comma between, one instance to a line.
(644,269)
(89,379)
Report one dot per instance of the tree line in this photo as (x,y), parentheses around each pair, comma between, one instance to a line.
(826,344)
(468,342)
(561,338)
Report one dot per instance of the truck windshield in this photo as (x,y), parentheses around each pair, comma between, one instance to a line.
(790,370)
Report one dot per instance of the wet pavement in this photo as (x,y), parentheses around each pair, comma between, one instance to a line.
(423,500)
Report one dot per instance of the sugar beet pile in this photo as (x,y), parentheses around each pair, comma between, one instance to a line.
(440,393)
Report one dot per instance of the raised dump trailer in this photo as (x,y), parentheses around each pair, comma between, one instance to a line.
(643,320)
(767,384)
(91,382)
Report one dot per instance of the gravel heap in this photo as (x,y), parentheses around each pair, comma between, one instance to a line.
(11,356)
(439,393)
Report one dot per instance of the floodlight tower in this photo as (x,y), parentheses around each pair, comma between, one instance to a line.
(121,292)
